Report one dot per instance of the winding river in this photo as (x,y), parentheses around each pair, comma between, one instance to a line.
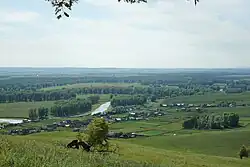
(102,108)
(11,121)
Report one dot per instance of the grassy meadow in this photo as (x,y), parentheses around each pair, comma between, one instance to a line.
(20,109)
(46,149)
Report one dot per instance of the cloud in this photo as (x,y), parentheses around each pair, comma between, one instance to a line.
(163,33)
(18,16)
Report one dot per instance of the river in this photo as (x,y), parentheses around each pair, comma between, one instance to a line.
(11,121)
(102,108)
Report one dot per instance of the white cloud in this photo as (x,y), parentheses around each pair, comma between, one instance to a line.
(11,16)
(163,33)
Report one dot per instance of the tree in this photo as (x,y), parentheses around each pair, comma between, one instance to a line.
(61,6)
(227,120)
(43,112)
(94,99)
(33,114)
(97,132)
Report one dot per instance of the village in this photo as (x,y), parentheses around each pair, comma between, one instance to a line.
(80,125)
(122,114)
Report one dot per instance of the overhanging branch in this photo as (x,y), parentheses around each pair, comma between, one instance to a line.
(63,6)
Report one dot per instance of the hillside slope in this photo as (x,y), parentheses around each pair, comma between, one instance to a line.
(45,149)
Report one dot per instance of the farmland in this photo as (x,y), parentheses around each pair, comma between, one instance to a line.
(153,106)
(211,98)
(20,109)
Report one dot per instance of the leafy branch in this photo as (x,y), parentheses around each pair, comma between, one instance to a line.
(63,6)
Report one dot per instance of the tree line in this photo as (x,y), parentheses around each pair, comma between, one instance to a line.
(128,100)
(28,96)
(203,78)
(64,94)
(40,113)
(226,120)
(65,108)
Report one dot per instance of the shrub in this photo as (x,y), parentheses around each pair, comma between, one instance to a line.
(243,152)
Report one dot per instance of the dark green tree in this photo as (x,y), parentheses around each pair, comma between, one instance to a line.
(43,112)
(33,114)
(212,121)
(94,99)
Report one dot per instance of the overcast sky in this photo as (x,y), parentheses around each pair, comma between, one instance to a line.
(160,34)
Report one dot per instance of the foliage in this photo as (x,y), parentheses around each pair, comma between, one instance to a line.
(33,114)
(62,5)
(70,107)
(128,100)
(94,99)
(43,112)
(28,96)
(243,152)
(120,110)
(97,132)
(212,121)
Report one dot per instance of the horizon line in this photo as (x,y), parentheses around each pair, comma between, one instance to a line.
(124,67)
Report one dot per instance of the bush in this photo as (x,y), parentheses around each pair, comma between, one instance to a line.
(243,152)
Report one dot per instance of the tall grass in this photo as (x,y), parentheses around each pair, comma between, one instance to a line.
(35,154)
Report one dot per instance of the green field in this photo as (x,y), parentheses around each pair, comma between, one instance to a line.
(94,85)
(216,143)
(210,98)
(20,109)
(241,111)
(146,127)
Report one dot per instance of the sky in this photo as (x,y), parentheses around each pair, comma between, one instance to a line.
(105,33)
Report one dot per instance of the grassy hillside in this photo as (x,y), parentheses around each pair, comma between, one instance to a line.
(43,150)
(28,153)
(211,143)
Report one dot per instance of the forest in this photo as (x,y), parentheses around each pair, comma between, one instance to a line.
(227,120)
